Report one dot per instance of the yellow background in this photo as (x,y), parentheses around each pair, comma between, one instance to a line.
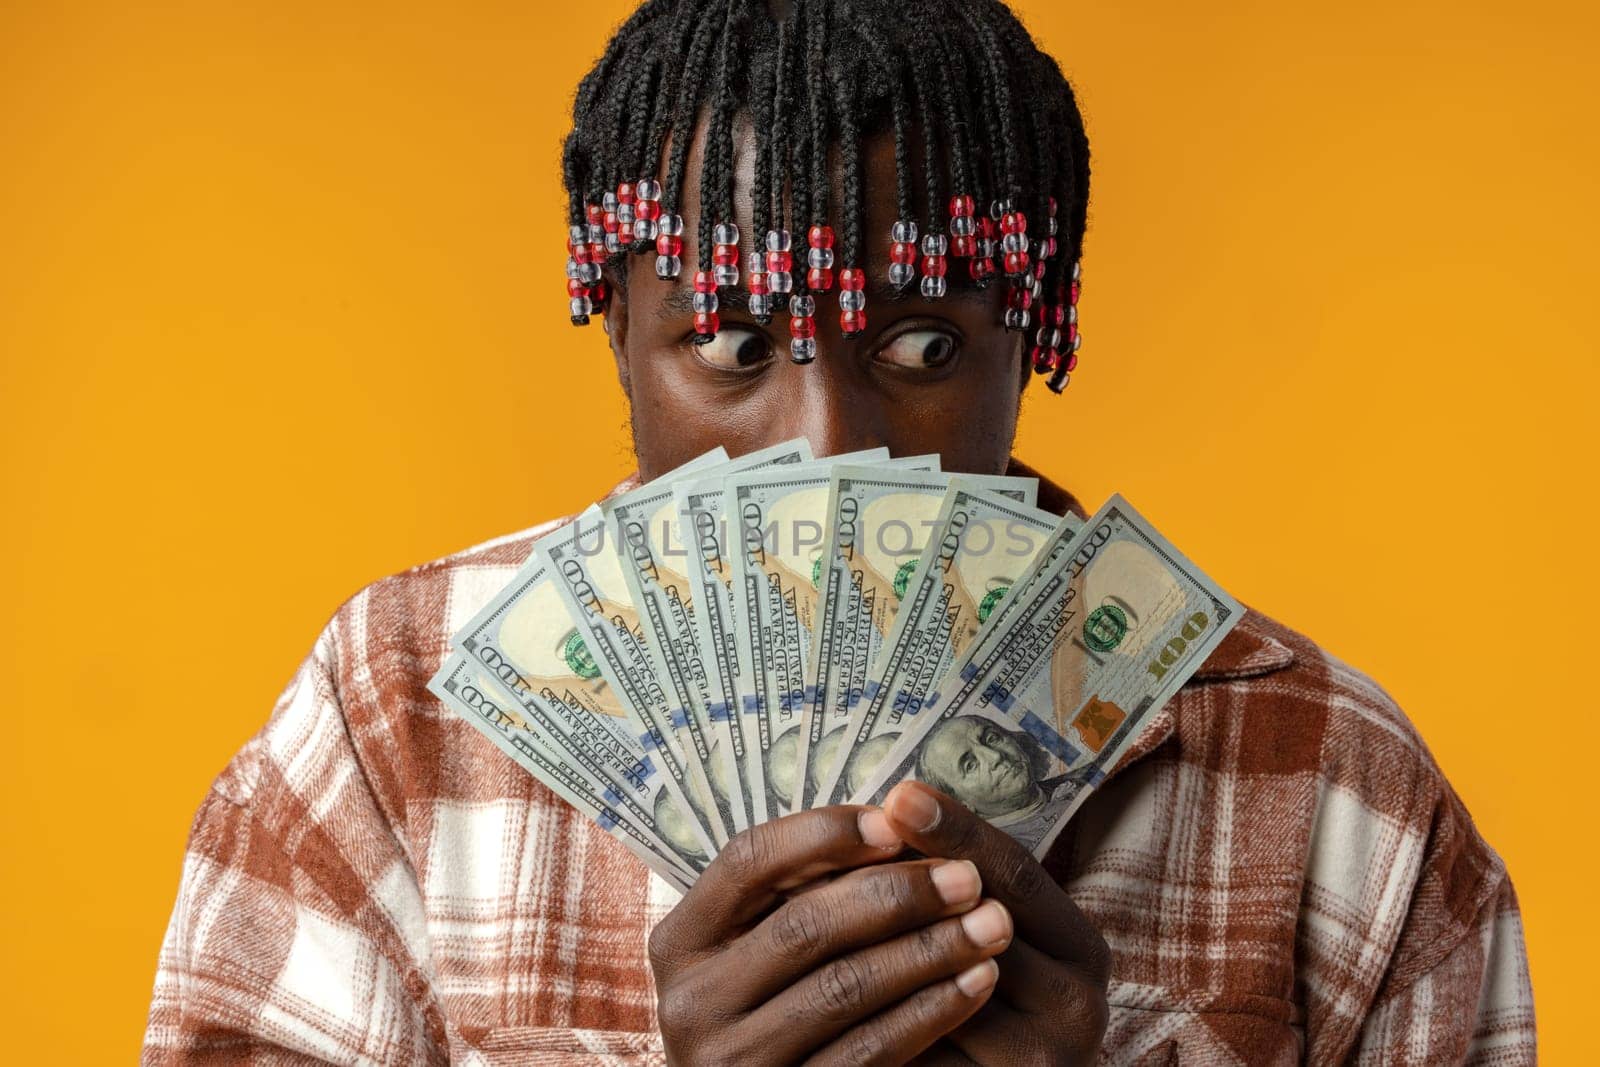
(274,275)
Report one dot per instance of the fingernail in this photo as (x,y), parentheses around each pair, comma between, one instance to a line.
(978,979)
(916,808)
(957,881)
(987,925)
(875,829)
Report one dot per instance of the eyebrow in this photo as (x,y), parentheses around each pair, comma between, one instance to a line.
(680,300)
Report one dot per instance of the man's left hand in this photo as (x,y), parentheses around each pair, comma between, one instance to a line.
(1050,1002)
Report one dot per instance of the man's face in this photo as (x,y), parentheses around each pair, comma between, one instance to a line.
(941,376)
(983,766)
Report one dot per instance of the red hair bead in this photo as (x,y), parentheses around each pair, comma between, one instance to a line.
(819,260)
(852,323)
(707,323)
(852,278)
(802,326)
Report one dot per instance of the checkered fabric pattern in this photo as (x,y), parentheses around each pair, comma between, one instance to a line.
(1280,869)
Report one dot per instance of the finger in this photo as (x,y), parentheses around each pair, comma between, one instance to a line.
(1000,1035)
(1046,917)
(895,1035)
(853,911)
(758,865)
(852,988)
(1033,991)
(944,1053)
(1036,983)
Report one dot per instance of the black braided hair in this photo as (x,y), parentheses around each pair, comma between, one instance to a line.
(996,117)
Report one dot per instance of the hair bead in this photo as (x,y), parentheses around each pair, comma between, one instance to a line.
(647,212)
(780,262)
(706,320)
(852,302)
(625,216)
(582,274)
(819,258)
(802,328)
(902,253)
(669,247)
(963,226)
(756,277)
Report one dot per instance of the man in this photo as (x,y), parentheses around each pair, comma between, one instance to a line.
(1277,872)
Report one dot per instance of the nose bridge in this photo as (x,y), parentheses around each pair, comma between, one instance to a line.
(830,408)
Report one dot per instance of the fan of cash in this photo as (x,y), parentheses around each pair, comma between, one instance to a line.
(745,638)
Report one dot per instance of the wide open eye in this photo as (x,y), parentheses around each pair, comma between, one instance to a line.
(734,348)
(920,349)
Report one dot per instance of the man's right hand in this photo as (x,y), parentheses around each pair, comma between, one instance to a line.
(768,959)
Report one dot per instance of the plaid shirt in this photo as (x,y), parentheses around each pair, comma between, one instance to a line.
(1279,867)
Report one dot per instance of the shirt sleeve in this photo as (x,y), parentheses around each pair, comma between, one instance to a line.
(1474,1005)
(298,934)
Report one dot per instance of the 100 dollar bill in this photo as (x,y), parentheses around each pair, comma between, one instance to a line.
(983,543)
(468,689)
(776,536)
(587,560)
(698,631)
(880,521)
(1102,631)
(527,637)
